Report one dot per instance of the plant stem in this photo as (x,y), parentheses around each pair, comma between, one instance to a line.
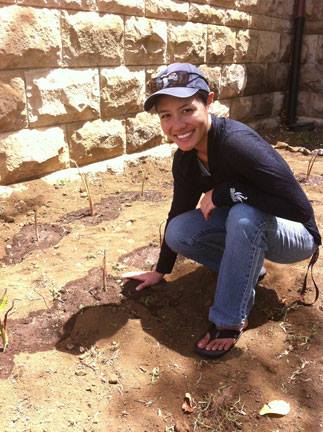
(310,164)
(86,185)
(104,271)
(36,225)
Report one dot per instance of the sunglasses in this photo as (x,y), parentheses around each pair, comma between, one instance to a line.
(173,79)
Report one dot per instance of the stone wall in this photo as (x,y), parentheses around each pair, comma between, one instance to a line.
(73,73)
(310,104)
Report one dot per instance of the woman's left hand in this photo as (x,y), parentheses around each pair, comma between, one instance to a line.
(206,204)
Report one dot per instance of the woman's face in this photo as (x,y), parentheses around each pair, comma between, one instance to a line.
(185,121)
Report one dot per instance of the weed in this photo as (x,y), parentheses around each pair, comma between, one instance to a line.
(217,414)
(3,324)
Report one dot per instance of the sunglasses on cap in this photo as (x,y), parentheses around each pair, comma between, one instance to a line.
(173,79)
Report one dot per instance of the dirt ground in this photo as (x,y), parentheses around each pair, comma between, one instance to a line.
(87,354)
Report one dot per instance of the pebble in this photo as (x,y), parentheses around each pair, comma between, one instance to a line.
(113,379)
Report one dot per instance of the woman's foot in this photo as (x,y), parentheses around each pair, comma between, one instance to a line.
(217,341)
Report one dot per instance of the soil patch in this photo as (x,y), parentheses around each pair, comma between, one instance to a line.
(29,238)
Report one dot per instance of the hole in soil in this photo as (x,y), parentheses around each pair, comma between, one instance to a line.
(25,241)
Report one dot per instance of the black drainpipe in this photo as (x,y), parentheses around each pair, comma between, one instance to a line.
(292,94)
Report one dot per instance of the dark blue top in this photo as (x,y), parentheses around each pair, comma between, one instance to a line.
(243,167)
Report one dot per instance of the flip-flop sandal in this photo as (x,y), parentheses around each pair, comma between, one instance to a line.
(216,333)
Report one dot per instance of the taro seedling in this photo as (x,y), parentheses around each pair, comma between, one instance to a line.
(3,323)
(86,186)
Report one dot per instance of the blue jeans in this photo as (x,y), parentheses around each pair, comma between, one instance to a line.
(234,242)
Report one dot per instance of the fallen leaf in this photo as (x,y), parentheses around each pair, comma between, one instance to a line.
(275,407)
(187,405)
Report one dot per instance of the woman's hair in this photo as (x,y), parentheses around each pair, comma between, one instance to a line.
(202,96)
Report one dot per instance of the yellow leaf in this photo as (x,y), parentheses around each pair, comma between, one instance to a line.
(275,407)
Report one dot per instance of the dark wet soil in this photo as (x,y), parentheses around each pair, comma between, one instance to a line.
(29,238)
(110,207)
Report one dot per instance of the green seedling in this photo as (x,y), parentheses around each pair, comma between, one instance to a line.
(86,186)
(311,164)
(3,324)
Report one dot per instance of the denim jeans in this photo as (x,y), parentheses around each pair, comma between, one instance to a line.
(234,242)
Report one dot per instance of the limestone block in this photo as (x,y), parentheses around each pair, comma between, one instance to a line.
(268,46)
(246,5)
(314,10)
(221,108)
(256,79)
(241,108)
(310,104)
(122,91)
(277,8)
(167,9)
(262,105)
(8,1)
(62,95)
(276,77)
(29,37)
(319,52)
(221,44)
(234,18)
(262,22)
(12,101)
(206,14)
(145,41)
(314,27)
(92,40)
(187,42)
(246,46)
(311,78)
(96,141)
(309,48)
(278,102)
(60,4)
(143,132)
(222,3)
(285,48)
(29,154)
(233,80)
(213,75)
(124,7)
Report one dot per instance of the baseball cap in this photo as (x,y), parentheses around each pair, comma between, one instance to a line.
(181,80)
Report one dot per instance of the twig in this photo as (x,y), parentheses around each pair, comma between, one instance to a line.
(310,164)
(41,295)
(86,185)
(104,267)
(143,172)
(36,225)
(3,328)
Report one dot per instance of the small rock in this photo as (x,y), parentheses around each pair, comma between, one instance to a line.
(70,346)
(113,379)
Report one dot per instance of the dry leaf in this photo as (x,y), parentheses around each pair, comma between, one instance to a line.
(187,405)
(275,407)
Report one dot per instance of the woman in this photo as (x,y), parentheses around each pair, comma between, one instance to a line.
(252,207)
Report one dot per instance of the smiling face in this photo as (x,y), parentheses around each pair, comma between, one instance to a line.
(185,121)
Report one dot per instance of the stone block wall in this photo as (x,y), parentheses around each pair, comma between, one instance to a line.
(310,103)
(73,73)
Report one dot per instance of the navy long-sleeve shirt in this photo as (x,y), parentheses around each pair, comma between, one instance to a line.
(243,167)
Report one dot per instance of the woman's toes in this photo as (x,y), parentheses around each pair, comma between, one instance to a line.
(204,341)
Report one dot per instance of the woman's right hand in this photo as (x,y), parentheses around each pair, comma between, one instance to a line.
(147,279)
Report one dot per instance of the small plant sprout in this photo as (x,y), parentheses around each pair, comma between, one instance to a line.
(36,224)
(311,164)
(3,324)
(86,185)
(104,270)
